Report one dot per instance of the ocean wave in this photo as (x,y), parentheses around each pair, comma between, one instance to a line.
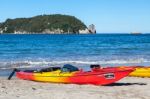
(29,64)
(89,62)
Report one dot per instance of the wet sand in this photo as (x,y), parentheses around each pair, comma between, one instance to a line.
(127,88)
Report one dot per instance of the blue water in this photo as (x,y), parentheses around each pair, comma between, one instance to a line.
(48,50)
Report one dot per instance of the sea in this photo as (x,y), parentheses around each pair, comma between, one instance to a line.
(44,50)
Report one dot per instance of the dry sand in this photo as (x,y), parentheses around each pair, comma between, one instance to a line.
(127,88)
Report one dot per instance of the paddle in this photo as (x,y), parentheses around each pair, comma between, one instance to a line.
(11,75)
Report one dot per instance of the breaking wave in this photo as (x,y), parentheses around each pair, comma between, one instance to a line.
(36,64)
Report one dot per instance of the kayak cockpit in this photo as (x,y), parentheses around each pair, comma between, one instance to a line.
(65,68)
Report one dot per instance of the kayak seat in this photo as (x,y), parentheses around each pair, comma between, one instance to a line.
(69,68)
(95,68)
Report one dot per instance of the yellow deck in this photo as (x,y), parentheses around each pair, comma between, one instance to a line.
(55,76)
(141,72)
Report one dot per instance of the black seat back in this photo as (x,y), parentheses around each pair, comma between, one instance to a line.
(69,68)
(95,66)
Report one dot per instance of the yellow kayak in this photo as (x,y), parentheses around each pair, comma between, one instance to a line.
(140,72)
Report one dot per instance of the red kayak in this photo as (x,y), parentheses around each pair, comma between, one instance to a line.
(72,75)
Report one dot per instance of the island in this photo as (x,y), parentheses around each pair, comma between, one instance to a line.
(46,24)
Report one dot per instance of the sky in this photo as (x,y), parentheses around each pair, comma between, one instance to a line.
(109,16)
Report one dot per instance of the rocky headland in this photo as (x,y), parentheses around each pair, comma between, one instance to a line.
(46,24)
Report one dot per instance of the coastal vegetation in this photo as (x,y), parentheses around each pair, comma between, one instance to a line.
(56,23)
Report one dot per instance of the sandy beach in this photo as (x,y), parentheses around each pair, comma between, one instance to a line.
(127,88)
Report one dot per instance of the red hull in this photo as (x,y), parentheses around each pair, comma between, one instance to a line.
(97,77)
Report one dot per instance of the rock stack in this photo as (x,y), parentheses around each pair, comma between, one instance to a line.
(92,29)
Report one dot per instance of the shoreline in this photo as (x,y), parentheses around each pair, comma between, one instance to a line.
(5,71)
(127,88)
